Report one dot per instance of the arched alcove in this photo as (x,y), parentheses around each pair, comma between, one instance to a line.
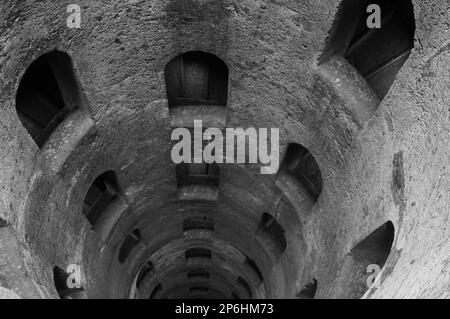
(130,242)
(270,228)
(48,92)
(198,252)
(196,78)
(371,251)
(301,165)
(156,292)
(377,54)
(145,270)
(99,195)
(309,291)
(198,223)
(197,174)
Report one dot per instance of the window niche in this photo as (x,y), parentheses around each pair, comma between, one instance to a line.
(302,166)
(156,292)
(270,228)
(244,287)
(198,253)
(198,289)
(131,241)
(196,78)
(198,223)
(48,92)
(147,269)
(197,181)
(198,275)
(373,250)
(377,54)
(309,291)
(197,88)
(251,264)
(197,174)
(99,195)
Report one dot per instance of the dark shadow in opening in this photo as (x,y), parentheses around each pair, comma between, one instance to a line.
(377,54)
(373,250)
(197,174)
(47,93)
(270,227)
(130,242)
(300,164)
(145,270)
(99,195)
(309,291)
(198,253)
(196,78)
(199,223)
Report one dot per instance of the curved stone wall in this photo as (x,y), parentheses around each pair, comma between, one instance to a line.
(381,160)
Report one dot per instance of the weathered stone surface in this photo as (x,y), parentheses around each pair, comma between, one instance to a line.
(389,164)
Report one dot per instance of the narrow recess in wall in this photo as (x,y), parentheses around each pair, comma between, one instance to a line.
(198,253)
(198,289)
(99,195)
(198,274)
(199,223)
(373,250)
(60,280)
(377,54)
(145,270)
(131,241)
(300,164)
(156,291)
(270,227)
(234,296)
(245,286)
(197,174)
(196,78)
(309,291)
(252,265)
(47,93)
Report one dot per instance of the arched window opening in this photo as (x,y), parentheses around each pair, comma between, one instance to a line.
(196,78)
(377,53)
(198,289)
(300,164)
(309,291)
(199,223)
(156,292)
(47,93)
(243,284)
(373,250)
(197,174)
(198,274)
(99,195)
(254,267)
(60,279)
(130,242)
(234,296)
(198,253)
(145,270)
(270,227)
